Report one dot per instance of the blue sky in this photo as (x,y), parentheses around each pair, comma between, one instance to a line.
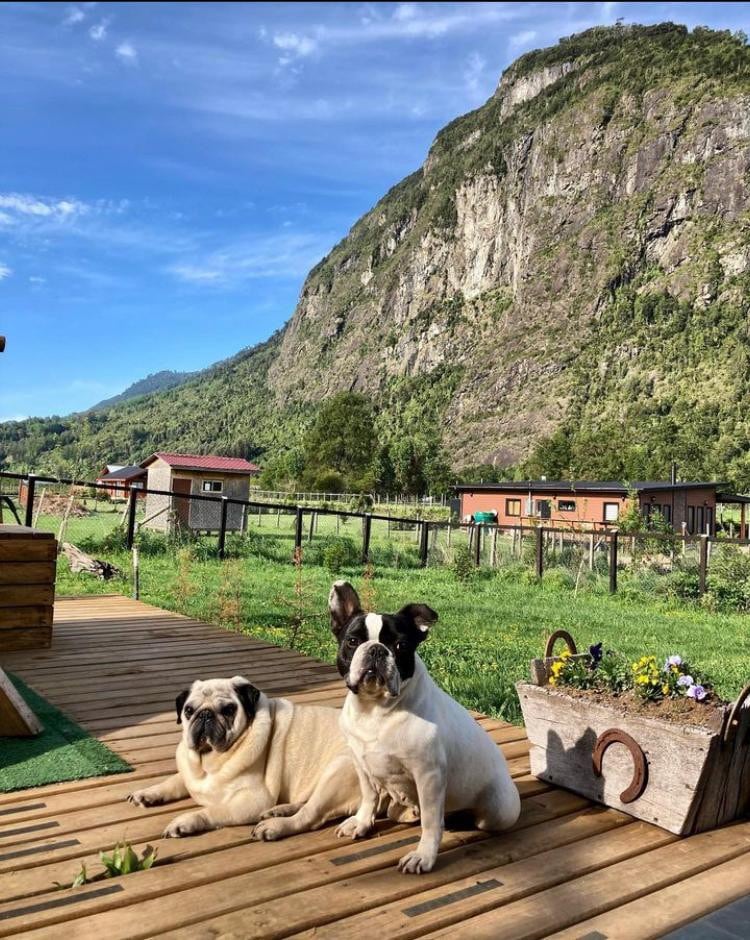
(170,172)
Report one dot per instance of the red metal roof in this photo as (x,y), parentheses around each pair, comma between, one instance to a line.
(204,462)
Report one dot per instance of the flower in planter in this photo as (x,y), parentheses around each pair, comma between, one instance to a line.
(698,692)
(685,680)
(673,664)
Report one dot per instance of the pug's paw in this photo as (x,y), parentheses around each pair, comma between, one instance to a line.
(352,828)
(416,863)
(148,797)
(268,830)
(188,824)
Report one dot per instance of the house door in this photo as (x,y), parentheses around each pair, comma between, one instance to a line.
(181,507)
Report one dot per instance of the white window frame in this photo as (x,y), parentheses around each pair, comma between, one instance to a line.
(606,514)
(209,486)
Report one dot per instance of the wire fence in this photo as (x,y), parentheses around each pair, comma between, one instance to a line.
(126,525)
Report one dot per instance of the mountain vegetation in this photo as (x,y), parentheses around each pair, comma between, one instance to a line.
(561,288)
(156,382)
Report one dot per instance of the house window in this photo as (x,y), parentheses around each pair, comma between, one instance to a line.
(709,518)
(212,486)
(700,529)
(512,507)
(691,520)
(666,513)
(611,512)
(566,505)
(543,508)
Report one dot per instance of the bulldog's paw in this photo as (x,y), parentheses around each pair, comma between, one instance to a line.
(268,830)
(188,824)
(416,863)
(352,828)
(147,797)
(281,809)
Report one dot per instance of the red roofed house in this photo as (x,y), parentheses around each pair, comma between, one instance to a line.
(191,475)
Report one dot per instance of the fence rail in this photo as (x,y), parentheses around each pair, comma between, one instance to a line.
(435,542)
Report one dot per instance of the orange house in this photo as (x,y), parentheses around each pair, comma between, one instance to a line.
(581,504)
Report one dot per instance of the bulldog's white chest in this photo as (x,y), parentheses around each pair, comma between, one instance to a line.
(383,761)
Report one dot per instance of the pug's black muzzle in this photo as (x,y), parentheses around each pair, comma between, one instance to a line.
(206,730)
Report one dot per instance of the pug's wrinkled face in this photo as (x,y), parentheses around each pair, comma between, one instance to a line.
(377,652)
(214,713)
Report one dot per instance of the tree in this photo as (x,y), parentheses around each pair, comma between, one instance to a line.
(342,437)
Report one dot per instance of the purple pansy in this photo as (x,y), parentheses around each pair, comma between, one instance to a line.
(697,692)
(672,661)
(685,680)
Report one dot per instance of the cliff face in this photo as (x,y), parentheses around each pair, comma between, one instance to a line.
(620,157)
(569,266)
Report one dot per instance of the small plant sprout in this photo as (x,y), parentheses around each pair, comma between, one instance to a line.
(124,861)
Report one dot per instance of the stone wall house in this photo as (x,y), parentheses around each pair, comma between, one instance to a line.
(181,476)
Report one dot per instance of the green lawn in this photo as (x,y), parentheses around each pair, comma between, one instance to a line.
(489,627)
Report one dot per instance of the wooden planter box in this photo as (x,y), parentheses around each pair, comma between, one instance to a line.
(684,778)
(27,587)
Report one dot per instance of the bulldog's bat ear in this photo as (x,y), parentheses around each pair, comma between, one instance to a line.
(247,694)
(179,704)
(420,615)
(343,603)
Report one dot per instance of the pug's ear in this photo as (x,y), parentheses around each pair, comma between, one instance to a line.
(421,616)
(179,704)
(247,694)
(343,603)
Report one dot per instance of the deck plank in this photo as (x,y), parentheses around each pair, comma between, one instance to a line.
(116,666)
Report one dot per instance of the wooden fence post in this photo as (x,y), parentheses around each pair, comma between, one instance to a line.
(366,529)
(613,563)
(312,527)
(132,505)
(591,551)
(703,565)
(539,534)
(424,544)
(493,550)
(30,487)
(136,575)
(298,523)
(478,545)
(223,527)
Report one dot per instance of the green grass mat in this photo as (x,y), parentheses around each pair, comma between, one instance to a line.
(63,751)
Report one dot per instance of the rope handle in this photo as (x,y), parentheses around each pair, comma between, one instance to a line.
(732,724)
(560,635)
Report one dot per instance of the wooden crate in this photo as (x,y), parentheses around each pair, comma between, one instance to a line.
(684,778)
(27,587)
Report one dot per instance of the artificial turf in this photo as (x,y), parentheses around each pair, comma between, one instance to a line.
(63,751)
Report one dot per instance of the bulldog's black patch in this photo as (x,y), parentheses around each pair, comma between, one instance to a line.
(179,704)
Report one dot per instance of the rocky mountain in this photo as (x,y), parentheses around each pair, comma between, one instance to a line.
(155,382)
(562,285)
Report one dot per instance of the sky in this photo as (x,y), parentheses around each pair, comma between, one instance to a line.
(169,172)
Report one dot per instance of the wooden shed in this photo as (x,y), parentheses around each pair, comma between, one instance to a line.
(195,475)
(119,480)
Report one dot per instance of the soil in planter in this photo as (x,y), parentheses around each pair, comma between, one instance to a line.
(685,711)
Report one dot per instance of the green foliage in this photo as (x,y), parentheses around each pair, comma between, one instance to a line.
(463,566)
(124,861)
(339,553)
(341,439)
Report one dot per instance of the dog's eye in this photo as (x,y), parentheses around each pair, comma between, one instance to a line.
(229,711)
(400,646)
(352,641)
(188,711)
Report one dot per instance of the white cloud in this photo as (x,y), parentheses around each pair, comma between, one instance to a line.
(37,280)
(73,15)
(473,73)
(99,31)
(524,38)
(5,271)
(291,42)
(405,11)
(284,255)
(127,52)
(22,204)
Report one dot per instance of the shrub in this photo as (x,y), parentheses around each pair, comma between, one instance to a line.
(462,565)
(339,553)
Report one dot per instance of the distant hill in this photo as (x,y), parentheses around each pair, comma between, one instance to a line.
(562,287)
(156,382)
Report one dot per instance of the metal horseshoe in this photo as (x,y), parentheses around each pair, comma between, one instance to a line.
(640,764)
(560,635)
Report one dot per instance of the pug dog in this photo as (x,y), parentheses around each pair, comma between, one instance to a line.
(245,758)
(409,738)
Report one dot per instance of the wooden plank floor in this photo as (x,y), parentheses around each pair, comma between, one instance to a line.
(568,869)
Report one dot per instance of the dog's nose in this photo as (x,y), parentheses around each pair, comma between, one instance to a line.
(378,653)
(204,717)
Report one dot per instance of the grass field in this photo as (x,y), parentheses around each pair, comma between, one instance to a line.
(490,625)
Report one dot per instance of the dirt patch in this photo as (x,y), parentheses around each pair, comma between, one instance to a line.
(56,505)
(685,711)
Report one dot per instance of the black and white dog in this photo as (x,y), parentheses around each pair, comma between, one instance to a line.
(410,740)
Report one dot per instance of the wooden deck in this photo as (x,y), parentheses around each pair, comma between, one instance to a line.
(569,869)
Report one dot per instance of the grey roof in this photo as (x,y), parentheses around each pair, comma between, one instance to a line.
(586,486)
(124,473)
